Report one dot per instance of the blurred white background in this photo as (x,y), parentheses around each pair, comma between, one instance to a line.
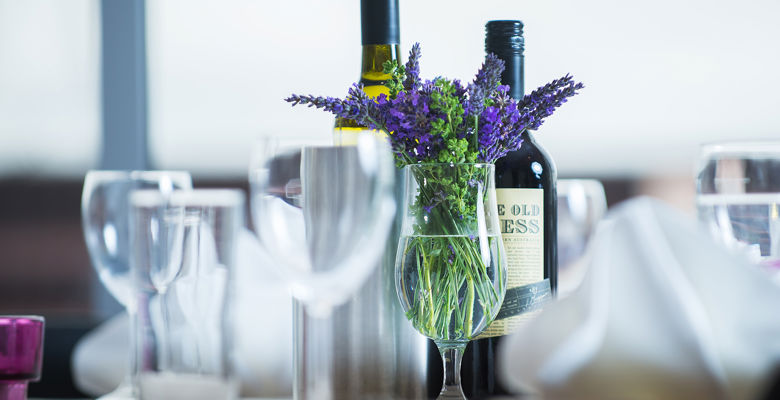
(49,87)
(661,77)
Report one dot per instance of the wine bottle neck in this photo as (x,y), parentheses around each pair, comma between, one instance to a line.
(504,38)
(513,75)
(372,70)
(380,38)
(379,22)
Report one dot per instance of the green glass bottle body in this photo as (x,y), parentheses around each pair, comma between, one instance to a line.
(373,79)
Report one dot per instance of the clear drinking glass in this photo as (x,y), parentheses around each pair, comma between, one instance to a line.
(184,253)
(450,265)
(105,221)
(738,197)
(323,214)
(21,354)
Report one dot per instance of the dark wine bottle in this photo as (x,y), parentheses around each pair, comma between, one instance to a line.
(527,208)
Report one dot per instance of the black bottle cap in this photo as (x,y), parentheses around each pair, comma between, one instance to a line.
(504,37)
(379,22)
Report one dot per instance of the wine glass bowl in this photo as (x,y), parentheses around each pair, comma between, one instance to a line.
(450,264)
(473,311)
(321,211)
(738,197)
(104,215)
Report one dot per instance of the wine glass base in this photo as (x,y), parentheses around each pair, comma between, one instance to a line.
(451,395)
(123,392)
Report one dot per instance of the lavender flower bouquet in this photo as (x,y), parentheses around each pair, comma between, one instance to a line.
(440,121)
(445,134)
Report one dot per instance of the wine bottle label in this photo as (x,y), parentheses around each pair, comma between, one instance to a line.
(521,218)
(346,136)
(349,136)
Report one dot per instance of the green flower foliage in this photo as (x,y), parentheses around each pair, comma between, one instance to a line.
(397,75)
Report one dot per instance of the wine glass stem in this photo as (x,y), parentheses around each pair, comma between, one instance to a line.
(317,370)
(451,356)
(128,382)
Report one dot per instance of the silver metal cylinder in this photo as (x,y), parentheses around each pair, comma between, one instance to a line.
(377,354)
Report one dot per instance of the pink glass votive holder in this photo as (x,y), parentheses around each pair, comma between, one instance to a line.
(21,352)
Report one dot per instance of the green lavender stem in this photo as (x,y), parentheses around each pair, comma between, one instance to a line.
(436,303)
(429,292)
(453,279)
(468,325)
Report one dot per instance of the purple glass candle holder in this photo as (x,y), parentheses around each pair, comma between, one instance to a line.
(21,352)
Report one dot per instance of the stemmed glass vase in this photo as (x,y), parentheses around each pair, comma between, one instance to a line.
(450,265)
(323,214)
(105,217)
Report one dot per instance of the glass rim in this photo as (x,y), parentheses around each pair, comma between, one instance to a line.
(130,175)
(298,143)
(751,198)
(294,141)
(131,172)
(38,318)
(745,148)
(216,197)
(284,146)
(452,165)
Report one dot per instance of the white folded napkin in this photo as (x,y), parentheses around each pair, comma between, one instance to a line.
(262,326)
(663,313)
(99,360)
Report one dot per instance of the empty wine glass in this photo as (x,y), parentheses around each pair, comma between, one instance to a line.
(105,221)
(323,214)
(738,197)
(581,205)
(450,265)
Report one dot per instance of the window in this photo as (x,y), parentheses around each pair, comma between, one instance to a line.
(49,86)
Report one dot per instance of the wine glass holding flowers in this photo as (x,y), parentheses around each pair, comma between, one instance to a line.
(450,264)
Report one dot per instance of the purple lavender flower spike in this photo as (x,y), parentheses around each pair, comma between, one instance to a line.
(412,81)
(487,80)
(542,102)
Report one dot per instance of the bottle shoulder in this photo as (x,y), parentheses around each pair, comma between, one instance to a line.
(544,154)
(530,166)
